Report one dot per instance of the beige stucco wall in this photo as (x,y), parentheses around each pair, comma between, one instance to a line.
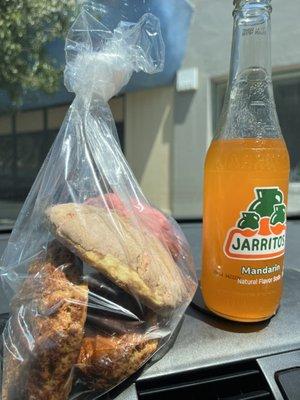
(148,138)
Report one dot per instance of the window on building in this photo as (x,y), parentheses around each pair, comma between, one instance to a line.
(287,98)
(25,139)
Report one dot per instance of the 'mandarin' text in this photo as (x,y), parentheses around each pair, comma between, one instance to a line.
(260,271)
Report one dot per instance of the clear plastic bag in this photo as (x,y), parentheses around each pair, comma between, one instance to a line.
(99,278)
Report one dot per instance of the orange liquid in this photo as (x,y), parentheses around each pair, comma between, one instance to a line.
(233,168)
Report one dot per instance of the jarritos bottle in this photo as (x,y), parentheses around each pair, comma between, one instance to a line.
(246,182)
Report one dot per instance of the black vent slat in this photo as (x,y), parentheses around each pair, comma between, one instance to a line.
(221,378)
(250,396)
(240,381)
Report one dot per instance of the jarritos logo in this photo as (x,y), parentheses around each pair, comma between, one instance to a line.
(260,232)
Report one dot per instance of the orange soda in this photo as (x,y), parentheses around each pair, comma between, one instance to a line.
(246,181)
(242,260)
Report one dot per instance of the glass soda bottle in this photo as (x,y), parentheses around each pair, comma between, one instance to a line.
(246,182)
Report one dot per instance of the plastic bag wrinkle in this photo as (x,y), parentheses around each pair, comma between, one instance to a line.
(100,63)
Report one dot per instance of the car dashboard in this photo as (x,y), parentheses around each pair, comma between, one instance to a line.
(214,359)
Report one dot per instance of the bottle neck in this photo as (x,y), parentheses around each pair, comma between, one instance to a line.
(251,42)
(249,107)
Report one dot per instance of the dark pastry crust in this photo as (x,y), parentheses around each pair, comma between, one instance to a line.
(107,296)
(111,310)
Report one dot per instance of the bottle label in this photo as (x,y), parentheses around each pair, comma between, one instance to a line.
(260,230)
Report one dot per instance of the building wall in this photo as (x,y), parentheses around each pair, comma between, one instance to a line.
(210,36)
(189,122)
(148,137)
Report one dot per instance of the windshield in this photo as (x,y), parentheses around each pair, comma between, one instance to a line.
(165,122)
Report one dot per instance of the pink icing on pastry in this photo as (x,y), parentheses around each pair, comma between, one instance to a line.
(151,218)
